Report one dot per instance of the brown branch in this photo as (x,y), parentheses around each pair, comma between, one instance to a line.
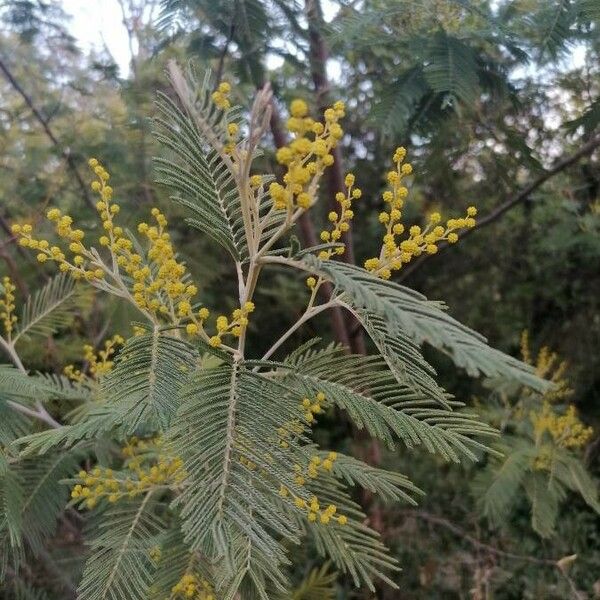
(318,56)
(446,524)
(223,54)
(131,22)
(66,155)
(545,562)
(520,197)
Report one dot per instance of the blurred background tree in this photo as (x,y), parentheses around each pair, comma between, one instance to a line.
(498,104)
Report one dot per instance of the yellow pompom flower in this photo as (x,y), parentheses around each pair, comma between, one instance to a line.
(255,181)
(395,252)
(298,108)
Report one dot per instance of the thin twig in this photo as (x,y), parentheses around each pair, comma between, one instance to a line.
(520,197)
(446,524)
(40,412)
(306,316)
(67,156)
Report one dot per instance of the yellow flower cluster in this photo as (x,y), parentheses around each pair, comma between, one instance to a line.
(315,465)
(314,511)
(156,281)
(78,266)
(310,409)
(73,373)
(548,366)
(99,363)
(340,222)
(221,96)
(232,133)
(234,326)
(146,467)
(82,258)
(191,586)
(306,156)
(543,459)
(563,429)
(155,554)
(394,254)
(244,460)
(7,305)
(312,506)
(284,433)
(566,430)
(160,285)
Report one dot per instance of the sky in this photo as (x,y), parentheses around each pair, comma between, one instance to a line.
(98,23)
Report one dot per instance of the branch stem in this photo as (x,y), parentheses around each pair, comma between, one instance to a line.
(40,412)
(584,150)
(310,312)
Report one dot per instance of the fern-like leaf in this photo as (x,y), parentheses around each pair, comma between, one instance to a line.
(200,178)
(403,357)
(141,391)
(424,321)
(363,387)
(237,412)
(13,424)
(452,68)
(11,500)
(395,108)
(46,495)
(389,485)
(119,567)
(139,395)
(570,472)
(545,502)
(50,308)
(319,584)
(497,487)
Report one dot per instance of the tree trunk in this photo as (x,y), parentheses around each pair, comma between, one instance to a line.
(335,174)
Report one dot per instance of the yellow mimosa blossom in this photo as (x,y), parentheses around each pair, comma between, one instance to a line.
(396,252)
(146,467)
(7,306)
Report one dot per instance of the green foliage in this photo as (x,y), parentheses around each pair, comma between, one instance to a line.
(318,585)
(452,68)
(541,451)
(50,308)
(363,387)
(500,487)
(46,495)
(425,321)
(234,408)
(441,75)
(119,566)
(238,502)
(142,389)
(201,178)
